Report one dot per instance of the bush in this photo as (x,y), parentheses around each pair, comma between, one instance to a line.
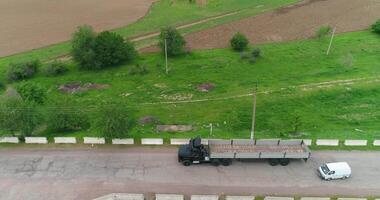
(323,32)
(174,41)
(20,71)
(2,85)
(111,49)
(19,116)
(31,92)
(114,121)
(239,42)
(252,56)
(66,117)
(55,68)
(256,52)
(138,69)
(376,27)
(106,49)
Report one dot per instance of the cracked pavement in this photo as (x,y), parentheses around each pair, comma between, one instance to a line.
(86,173)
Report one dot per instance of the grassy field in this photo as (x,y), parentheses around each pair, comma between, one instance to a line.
(333,96)
(164,13)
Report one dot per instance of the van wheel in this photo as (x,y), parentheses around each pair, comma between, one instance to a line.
(226,162)
(284,161)
(273,162)
(186,163)
(215,162)
(329,179)
(345,177)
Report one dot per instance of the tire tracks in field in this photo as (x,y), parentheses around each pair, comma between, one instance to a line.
(303,87)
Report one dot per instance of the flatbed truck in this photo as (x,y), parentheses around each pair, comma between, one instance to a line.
(225,151)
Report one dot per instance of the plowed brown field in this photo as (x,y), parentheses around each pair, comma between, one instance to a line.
(29,24)
(294,22)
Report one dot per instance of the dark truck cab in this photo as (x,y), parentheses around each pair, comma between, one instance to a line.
(193,153)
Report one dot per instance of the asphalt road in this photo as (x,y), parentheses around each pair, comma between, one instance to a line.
(35,174)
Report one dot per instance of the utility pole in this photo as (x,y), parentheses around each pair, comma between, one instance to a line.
(253,113)
(331,41)
(166,58)
(210,130)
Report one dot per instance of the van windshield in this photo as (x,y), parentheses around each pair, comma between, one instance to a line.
(325,169)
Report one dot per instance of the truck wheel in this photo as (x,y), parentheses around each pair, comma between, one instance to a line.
(186,163)
(226,162)
(215,162)
(284,161)
(273,162)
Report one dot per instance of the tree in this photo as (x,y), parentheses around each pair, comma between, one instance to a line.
(56,68)
(19,116)
(111,49)
(67,117)
(239,42)
(31,92)
(376,27)
(174,41)
(83,41)
(114,121)
(106,49)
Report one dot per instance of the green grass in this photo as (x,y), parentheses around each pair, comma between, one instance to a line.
(339,111)
(162,14)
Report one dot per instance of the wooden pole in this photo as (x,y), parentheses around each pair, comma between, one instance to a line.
(166,58)
(331,41)
(253,114)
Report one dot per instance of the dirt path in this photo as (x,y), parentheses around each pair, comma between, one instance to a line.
(50,174)
(304,87)
(30,24)
(299,21)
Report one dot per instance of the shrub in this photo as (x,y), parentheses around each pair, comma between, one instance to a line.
(31,92)
(66,117)
(138,69)
(256,52)
(323,32)
(252,56)
(55,68)
(174,41)
(114,121)
(19,116)
(2,85)
(93,51)
(376,26)
(20,71)
(239,42)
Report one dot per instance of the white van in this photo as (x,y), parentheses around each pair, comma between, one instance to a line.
(338,170)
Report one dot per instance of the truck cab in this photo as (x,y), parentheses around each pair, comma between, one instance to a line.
(193,153)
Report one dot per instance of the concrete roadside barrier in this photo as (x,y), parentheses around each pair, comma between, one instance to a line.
(278,198)
(65,140)
(376,143)
(13,140)
(123,141)
(307,142)
(169,197)
(204,141)
(121,196)
(355,142)
(204,197)
(352,198)
(94,140)
(36,140)
(315,198)
(152,141)
(323,142)
(178,141)
(240,197)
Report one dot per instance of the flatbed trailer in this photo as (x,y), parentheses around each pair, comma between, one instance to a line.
(224,151)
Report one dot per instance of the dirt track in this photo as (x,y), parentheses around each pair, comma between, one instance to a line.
(295,22)
(29,24)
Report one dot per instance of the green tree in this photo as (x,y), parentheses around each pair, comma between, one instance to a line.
(114,121)
(174,41)
(239,42)
(83,41)
(376,26)
(111,49)
(23,70)
(31,92)
(19,116)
